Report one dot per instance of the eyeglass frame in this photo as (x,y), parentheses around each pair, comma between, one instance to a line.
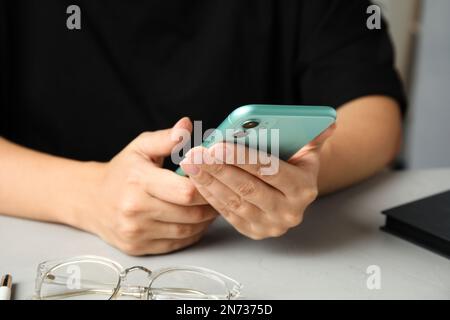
(44,269)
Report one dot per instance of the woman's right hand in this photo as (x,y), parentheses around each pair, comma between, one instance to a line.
(142,208)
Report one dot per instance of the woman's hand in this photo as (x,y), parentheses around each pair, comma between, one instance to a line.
(144,209)
(257,202)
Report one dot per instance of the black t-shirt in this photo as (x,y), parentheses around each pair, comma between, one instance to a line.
(141,65)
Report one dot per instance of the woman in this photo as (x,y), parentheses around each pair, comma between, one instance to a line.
(73,101)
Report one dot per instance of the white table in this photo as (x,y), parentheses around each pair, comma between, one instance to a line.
(326,257)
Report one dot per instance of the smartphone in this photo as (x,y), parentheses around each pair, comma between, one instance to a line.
(286,127)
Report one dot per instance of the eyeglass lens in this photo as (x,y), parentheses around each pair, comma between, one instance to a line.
(90,280)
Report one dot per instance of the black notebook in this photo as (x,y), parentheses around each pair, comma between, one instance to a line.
(425,222)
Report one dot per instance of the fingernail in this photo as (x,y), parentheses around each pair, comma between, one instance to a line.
(180,129)
(180,122)
(190,169)
(195,155)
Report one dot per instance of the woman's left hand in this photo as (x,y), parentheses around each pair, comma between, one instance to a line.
(260,201)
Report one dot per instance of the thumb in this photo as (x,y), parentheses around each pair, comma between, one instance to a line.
(160,143)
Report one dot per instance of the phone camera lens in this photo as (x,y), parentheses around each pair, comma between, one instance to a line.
(250,124)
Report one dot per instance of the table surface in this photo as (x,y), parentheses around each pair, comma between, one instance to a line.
(325,258)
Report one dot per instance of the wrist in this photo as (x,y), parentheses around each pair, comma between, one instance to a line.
(79,197)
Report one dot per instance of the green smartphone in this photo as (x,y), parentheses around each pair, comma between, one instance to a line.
(286,127)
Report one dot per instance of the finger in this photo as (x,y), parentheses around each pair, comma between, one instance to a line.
(160,143)
(241,222)
(226,199)
(164,230)
(171,187)
(244,184)
(247,219)
(137,204)
(162,246)
(242,225)
(276,173)
(168,212)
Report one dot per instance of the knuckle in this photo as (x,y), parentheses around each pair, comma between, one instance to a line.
(188,193)
(165,248)
(175,245)
(224,210)
(292,220)
(311,194)
(197,214)
(246,188)
(129,205)
(256,236)
(157,247)
(182,231)
(276,232)
(130,248)
(205,179)
(152,247)
(202,213)
(256,232)
(233,203)
(291,216)
(217,169)
(130,232)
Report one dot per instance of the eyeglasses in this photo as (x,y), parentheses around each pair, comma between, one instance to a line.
(92,277)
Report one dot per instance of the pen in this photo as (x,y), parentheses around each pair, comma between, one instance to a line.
(5,287)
